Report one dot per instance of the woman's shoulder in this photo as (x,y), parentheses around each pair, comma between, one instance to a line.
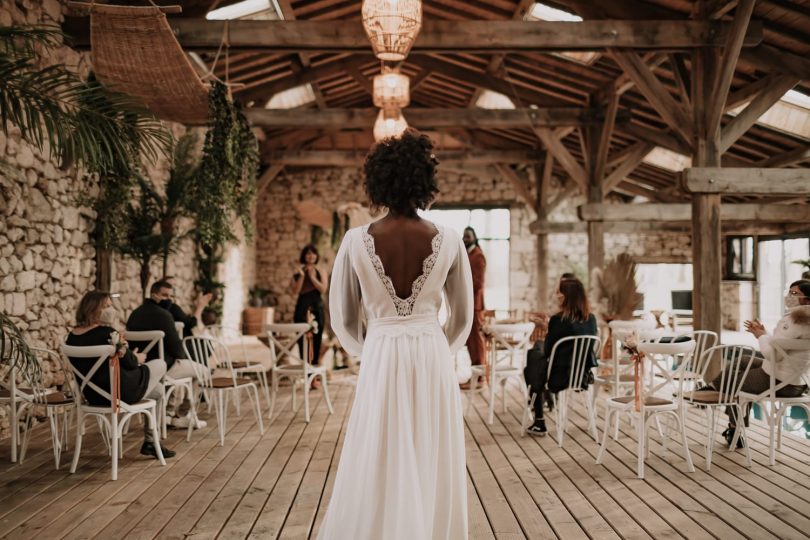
(95,334)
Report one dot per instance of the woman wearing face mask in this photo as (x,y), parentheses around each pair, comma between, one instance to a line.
(794,325)
(309,285)
(94,319)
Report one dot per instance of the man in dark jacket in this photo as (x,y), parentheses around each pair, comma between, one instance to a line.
(154,314)
(189,321)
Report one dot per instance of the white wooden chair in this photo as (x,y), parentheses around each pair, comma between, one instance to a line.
(692,375)
(57,404)
(507,359)
(651,407)
(206,351)
(774,407)
(11,397)
(154,338)
(734,359)
(582,347)
(244,366)
(115,416)
(283,340)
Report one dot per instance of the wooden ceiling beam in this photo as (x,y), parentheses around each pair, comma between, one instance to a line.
(631,162)
(787,159)
(444,36)
(568,162)
(728,63)
(741,123)
(518,185)
(730,181)
(422,118)
(772,213)
(349,158)
(646,227)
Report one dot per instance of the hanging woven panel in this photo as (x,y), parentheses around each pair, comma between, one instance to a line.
(134,52)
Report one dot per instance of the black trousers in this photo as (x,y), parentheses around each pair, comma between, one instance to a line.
(310,302)
(535,373)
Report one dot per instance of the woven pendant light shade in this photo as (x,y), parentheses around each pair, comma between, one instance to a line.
(389,123)
(391,90)
(392,26)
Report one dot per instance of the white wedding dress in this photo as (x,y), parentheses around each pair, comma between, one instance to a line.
(402,472)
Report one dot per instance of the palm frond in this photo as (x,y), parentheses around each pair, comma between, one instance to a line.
(24,40)
(614,291)
(15,352)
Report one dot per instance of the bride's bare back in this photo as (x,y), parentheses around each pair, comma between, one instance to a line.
(402,244)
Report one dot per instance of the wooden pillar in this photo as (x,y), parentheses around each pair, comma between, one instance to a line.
(595,194)
(706,236)
(543,183)
(103,269)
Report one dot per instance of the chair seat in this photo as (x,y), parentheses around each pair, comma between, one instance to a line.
(649,401)
(142,405)
(293,370)
(804,398)
(227,382)
(703,396)
(57,398)
(244,367)
(623,379)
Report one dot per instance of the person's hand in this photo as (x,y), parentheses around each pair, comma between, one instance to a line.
(540,320)
(141,357)
(755,327)
(203,300)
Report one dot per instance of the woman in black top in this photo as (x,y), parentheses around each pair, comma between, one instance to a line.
(139,379)
(309,285)
(574,318)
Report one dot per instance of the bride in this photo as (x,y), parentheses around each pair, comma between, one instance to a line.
(402,472)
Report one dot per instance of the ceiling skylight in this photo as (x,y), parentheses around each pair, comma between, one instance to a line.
(292,98)
(246,9)
(542,12)
(667,159)
(493,100)
(791,114)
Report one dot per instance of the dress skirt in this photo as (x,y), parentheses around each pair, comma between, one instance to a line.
(402,472)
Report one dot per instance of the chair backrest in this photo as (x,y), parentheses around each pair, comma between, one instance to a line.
(671,349)
(152,338)
(212,354)
(736,362)
(582,346)
(704,339)
(782,348)
(67,384)
(283,339)
(513,338)
(101,354)
(232,334)
(179,326)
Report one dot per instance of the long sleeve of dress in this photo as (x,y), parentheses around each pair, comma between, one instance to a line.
(459,291)
(345,304)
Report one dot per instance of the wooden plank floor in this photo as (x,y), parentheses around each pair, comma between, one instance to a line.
(277,485)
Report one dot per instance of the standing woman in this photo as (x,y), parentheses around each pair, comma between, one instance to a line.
(309,285)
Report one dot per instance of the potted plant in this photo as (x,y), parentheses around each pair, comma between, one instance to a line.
(260,312)
(806,264)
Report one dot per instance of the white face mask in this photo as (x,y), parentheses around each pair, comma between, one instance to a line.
(791,301)
(108,316)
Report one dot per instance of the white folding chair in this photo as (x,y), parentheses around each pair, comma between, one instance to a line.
(582,347)
(773,406)
(736,362)
(211,354)
(507,359)
(10,395)
(114,416)
(154,338)
(651,406)
(57,404)
(283,339)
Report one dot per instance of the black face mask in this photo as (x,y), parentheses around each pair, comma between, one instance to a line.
(165,304)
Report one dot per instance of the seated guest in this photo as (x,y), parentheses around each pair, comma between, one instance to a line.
(794,325)
(574,318)
(154,314)
(189,321)
(138,379)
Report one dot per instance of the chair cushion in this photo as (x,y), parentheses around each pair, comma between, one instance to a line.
(703,396)
(227,382)
(650,401)
(239,365)
(58,398)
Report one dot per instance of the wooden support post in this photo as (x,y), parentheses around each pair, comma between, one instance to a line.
(706,227)
(543,180)
(597,139)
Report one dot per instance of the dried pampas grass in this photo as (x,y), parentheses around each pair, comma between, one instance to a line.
(614,291)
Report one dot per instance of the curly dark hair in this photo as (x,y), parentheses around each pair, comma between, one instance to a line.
(401,172)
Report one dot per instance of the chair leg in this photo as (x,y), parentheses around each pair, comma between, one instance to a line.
(77,446)
(237,398)
(253,392)
(714,418)
(307,383)
(192,411)
(221,414)
(503,395)
(471,393)
(150,417)
(591,417)
(641,433)
(265,387)
(608,413)
(326,394)
(15,428)
(273,392)
(774,419)
(114,436)
(562,403)
(293,384)
(684,442)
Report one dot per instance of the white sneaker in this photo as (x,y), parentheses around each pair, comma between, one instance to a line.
(181,422)
(200,424)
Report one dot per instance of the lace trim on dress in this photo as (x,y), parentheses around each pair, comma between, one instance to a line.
(404,306)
